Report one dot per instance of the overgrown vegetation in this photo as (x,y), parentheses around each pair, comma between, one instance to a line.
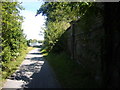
(14,43)
(13,39)
(59,15)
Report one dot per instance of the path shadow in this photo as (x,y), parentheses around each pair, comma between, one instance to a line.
(25,71)
(45,78)
(35,53)
(36,73)
(40,46)
(35,59)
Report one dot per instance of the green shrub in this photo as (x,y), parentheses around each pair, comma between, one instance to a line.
(6,54)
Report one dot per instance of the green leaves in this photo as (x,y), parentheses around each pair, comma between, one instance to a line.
(59,15)
(64,11)
(13,39)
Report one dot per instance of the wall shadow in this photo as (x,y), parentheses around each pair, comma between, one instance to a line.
(38,46)
(37,53)
(35,59)
(25,71)
(37,74)
(43,79)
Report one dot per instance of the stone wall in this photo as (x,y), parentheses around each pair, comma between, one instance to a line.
(94,43)
(82,41)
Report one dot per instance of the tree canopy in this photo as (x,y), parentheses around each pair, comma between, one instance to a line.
(59,15)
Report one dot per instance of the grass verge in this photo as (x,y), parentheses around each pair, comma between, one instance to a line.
(12,66)
(69,73)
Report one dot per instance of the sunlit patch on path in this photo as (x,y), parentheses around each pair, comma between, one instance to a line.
(34,72)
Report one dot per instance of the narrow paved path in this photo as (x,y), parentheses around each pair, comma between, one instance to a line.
(34,72)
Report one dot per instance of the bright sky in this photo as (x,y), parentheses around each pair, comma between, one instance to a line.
(32,25)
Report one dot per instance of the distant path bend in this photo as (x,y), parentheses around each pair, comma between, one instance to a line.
(34,72)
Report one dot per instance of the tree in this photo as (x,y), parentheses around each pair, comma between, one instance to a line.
(59,15)
(13,39)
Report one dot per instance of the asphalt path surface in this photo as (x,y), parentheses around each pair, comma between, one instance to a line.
(34,72)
